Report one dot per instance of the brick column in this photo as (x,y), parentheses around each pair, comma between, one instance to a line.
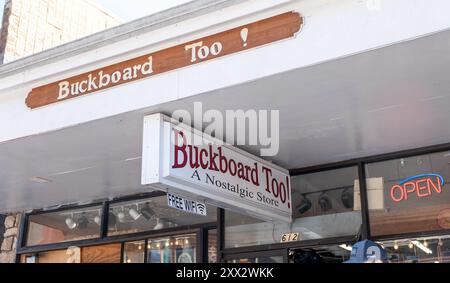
(9,243)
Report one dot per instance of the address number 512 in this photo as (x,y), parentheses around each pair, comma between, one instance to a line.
(291,237)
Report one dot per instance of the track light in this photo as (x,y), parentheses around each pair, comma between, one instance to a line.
(98,220)
(134,214)
(304,205)
(121,217)
(71,224)
(159,225)
(147,212)
(325,202)
(395,245)
(347,198)
(83,222)
(112,219)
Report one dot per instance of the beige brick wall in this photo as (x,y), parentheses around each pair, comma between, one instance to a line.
(9,244)
(31,26)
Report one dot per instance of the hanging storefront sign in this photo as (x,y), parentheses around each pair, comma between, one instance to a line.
(422,185)
(212,172)
(246,37)
(186,205)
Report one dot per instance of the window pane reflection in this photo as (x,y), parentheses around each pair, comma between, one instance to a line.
(134,252)
(409,195)
(422,250)
(326,204)
(174,249)
(64,226)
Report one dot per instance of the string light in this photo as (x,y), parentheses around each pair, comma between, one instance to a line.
(186,242)
(410,245)
(425,243)
(395,245)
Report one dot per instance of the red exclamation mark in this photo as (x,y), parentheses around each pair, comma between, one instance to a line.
(288,191)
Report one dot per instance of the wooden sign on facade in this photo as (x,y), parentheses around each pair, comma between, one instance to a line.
(256,34)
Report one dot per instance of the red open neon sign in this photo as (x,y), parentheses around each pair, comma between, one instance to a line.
(422,185)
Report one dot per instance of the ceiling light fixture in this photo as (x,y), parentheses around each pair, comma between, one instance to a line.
(422,247)
(83,222)
(147,212)
(121,217)
(395,245)
(134,214)
(347,198)
(112,219)
(98,220)
(304,205)
(71,223)
(159,225)
(325,202)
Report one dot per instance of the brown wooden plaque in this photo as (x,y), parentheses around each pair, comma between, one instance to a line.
(256,34)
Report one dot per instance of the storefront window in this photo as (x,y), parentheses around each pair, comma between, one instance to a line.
(409,194)
(325,204)
(64,226)
(174,249)
(152,214)
(134,252)
(422,250)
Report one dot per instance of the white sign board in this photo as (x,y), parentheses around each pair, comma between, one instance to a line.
(186,205)
(212,172)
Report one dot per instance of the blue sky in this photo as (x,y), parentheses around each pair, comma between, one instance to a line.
(129,9)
